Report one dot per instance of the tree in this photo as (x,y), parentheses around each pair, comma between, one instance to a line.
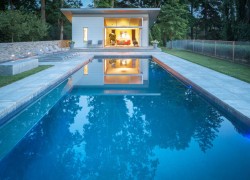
(36,28)
(243,20)
(4,5)
(57,20)
(211,20)
(228,18)
(104,3)
(194,4)
(20,26)
(27,5)
(172,21)
(43,11)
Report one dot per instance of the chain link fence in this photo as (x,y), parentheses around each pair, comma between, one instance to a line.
(235,51)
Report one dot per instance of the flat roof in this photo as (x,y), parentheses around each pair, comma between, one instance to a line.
(152,12)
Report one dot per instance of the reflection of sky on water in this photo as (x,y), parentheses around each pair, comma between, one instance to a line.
(81,118)
(129,105)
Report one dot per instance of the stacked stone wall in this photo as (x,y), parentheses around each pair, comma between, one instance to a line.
(18,50)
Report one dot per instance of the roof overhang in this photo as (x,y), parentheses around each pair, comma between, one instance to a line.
(152,12)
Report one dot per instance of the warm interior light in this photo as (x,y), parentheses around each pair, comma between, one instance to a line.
(124,62)
(85,70)
(85,34)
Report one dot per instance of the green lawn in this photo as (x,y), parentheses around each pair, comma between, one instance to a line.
(5,80)
(235,70)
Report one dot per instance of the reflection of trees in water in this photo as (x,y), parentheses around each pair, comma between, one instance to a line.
(175,121)
(48,149)
(116,145)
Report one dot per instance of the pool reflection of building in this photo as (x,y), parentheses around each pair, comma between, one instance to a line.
(113,71)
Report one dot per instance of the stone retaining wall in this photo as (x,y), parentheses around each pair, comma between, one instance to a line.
(17,50)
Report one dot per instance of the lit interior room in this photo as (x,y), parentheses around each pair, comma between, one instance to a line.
(123,32)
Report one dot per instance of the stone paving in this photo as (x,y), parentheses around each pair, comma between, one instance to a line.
(231,91)
(17,94)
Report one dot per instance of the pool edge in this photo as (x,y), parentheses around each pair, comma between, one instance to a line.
(208,96)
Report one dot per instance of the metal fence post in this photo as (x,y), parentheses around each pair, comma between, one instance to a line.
(215,48)
(202,47)
(233,49)
(193,45)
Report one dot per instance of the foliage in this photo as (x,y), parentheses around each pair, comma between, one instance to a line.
(57,22)
(155,42)
(26,5)
(222,19)
(102,3)
(172,21)
(210,18)
(20,26)
(60,26)
(71,42)
(242,31)
(155,33)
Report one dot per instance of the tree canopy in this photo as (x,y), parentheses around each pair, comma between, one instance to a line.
(191,19)
(173,21)
(19,26)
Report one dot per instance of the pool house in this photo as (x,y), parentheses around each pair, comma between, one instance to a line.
(115,27)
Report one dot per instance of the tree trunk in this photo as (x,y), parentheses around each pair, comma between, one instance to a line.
(95,3)
(11,6)
(43,11)
(61,31)
(247,6)
(112,3)
(192,25)
(61,23)
(164,39)
(205,19)
(171,41)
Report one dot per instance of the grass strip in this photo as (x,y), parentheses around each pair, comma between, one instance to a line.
(5,80)
(238,71)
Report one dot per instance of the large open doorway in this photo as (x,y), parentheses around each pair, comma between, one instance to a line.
(123,32)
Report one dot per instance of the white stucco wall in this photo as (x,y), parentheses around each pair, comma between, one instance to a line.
(95,27)
(95,76)
(144,33)
(144,68)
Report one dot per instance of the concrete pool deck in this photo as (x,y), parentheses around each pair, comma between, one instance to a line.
(234,94)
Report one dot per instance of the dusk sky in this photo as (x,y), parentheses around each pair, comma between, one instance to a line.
(86,2)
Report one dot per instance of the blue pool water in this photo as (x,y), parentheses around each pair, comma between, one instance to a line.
(160,129)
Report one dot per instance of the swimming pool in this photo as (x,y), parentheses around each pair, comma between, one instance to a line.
(96,127)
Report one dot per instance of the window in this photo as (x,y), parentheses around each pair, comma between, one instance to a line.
(122,22)
(85,34)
